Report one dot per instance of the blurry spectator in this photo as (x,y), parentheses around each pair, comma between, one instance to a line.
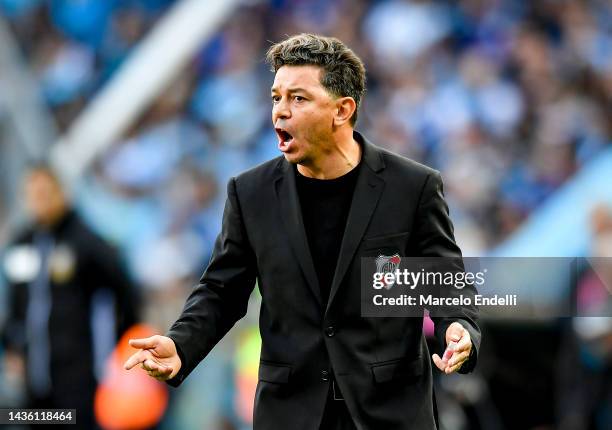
(63,278)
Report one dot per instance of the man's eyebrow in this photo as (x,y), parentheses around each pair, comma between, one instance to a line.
(291,90)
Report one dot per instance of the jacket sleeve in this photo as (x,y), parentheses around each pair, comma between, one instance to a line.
(221,297)
(435,238)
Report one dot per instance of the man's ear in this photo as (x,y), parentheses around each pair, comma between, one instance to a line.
(345,107)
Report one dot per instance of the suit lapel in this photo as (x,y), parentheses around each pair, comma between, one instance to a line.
(368,189)
(291,217)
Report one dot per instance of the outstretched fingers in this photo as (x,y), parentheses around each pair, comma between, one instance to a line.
(136,358)
(146,343)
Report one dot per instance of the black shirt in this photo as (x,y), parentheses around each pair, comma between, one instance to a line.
(325,205)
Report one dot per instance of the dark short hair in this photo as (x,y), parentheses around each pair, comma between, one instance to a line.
(343,71)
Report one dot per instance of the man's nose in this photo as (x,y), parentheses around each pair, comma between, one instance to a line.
(281,110)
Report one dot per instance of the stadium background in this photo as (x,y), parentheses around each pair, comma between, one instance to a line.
(510,100)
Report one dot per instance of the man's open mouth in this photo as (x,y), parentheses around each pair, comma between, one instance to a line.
(283,135)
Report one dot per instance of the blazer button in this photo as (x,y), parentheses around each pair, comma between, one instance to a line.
(324,375)
(330,331)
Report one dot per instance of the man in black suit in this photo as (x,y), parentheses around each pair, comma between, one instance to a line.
(299,224)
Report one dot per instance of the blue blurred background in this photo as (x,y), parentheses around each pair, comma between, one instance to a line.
(510,100)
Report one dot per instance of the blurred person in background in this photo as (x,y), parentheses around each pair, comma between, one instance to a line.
(63,281)
(323,365)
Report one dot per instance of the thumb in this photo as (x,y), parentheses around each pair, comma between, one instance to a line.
(146,343)
(454,332)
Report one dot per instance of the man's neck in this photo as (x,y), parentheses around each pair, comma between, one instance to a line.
(343,157)
(52,220)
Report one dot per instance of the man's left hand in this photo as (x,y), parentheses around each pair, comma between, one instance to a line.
(462,343)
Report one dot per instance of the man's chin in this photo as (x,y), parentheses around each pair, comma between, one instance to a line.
(294,158)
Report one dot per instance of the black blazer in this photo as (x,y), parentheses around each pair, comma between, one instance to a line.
(382,365)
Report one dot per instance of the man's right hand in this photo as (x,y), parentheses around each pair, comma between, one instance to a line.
(157,356)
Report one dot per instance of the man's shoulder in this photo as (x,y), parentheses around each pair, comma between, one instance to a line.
(398,164)
(75,231)
(255,177)
(20,233)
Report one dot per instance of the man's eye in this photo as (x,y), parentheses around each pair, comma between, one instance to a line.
(299,98)
(275,99)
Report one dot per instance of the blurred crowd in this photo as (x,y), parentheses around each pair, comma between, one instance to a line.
(508,99)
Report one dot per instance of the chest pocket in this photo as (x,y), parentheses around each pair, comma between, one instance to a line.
(394,243)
